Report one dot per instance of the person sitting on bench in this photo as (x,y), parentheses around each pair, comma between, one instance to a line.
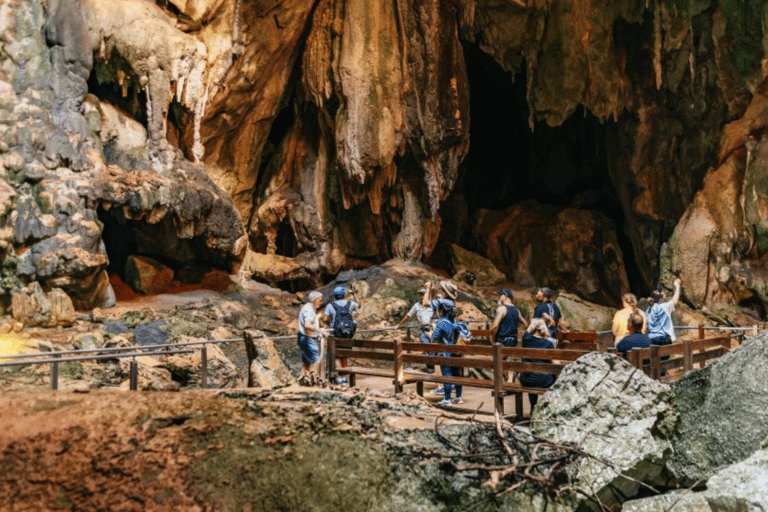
(536,337)
(636,339)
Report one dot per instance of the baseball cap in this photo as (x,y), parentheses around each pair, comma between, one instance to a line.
(339,291)
(507,292)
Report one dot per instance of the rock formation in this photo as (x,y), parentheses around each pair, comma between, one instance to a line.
(617,415)
(565,141)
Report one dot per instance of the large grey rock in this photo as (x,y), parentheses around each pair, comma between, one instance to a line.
(617,415)
(723,411)
(740,487)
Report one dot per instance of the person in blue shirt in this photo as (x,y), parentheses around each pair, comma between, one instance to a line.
(636,338)
(536,337)
(660,328)
(507,319)
(339,303)
(445,332)
(544,297)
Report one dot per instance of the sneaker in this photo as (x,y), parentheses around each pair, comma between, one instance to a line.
(341,381)
(438,391)
(458,400)
(444,403)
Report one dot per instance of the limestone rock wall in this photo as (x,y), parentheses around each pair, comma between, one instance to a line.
(328,134)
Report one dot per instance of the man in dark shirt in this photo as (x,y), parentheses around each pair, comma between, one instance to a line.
(507,319)
(636,339)
(544,296)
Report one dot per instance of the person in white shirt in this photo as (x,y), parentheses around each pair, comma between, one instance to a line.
(310,333)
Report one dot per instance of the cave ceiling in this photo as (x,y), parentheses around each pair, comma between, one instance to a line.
(573,143)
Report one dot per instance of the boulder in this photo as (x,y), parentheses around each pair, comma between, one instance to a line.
(33,307)
(581,315)
(483,270)
(146,275)
(185,368)
(723,411)
(266,368)
(741,486)
(621,418)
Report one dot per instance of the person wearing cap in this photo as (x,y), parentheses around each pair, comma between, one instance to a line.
(507,319)
(339,303)
(310,332)
(544,297)
(423,312)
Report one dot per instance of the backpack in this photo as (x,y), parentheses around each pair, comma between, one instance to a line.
(461,334)
(344,326)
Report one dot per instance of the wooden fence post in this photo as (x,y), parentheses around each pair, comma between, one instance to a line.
(701,331)
(655,362)
(399,376)
(330,360)
(134,374)
(687,356)
(498,379)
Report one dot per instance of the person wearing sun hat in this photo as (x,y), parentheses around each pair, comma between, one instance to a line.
(448,294)
(507,319)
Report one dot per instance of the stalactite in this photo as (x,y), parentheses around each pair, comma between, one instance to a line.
(238,45)
(657,42)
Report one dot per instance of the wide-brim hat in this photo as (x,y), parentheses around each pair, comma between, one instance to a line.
(450,289)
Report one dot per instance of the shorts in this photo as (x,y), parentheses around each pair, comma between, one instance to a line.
(508,342)
(310,349)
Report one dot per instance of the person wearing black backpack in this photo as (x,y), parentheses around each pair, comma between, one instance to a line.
(339,314)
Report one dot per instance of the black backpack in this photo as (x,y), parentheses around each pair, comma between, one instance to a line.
(344,326)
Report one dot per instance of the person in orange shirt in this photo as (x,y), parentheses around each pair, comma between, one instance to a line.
(619,325)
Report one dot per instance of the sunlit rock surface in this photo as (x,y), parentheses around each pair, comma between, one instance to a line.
(620,417)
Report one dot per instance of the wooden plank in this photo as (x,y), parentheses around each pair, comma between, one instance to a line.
(359,343)
(542,353)
(519,366)
(462,362)
(687,356)
(498,379)
(362,370)
(365,354)
(582,346)
(578,336)
(398,366)
(474,350)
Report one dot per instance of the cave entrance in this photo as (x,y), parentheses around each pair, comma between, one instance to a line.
(508,162)
(190,260)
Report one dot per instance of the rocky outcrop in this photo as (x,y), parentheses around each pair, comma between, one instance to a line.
(474,269)
(564,248)
(266,368)
(723,411)
(32,306)
(617,415)
(741,486)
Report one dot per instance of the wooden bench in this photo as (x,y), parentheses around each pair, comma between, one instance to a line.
(668,363)
(501,360)
(353,348)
